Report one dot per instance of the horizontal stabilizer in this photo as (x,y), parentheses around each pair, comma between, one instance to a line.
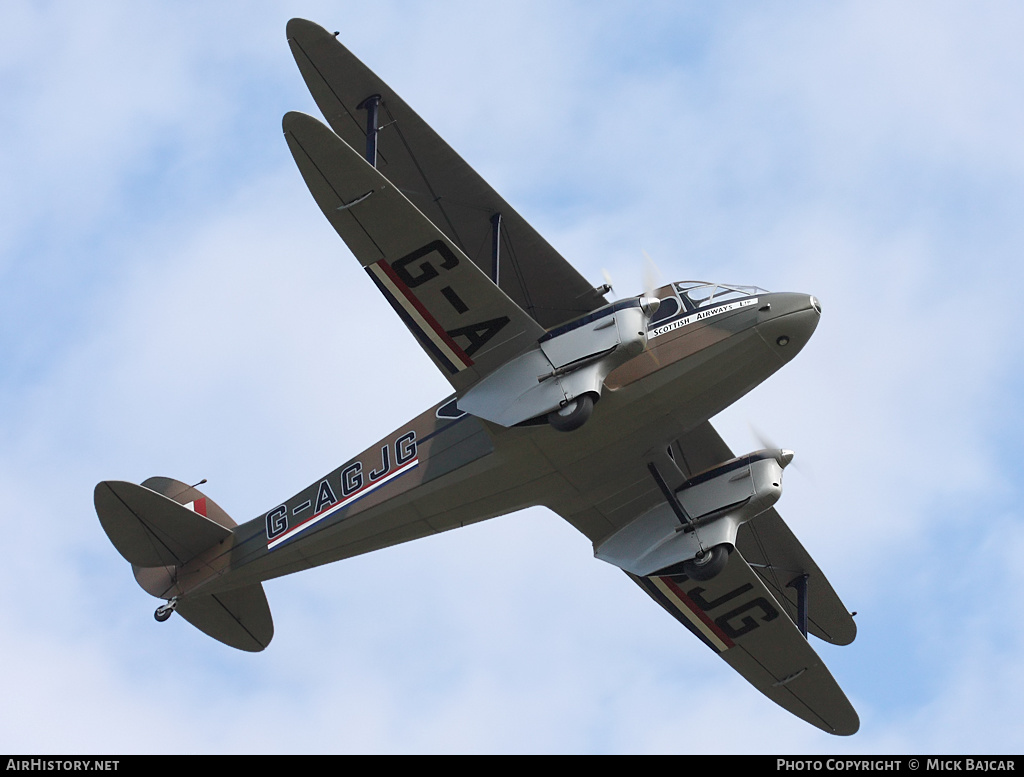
(152,530)
(239,617)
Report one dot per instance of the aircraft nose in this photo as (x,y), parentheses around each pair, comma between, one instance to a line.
(790,323)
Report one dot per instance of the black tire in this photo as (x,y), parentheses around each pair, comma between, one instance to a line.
(708,566)
(163,613)
(575,418)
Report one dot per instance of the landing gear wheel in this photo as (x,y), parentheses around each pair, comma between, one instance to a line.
(573,415)
(165,611)
(708,565)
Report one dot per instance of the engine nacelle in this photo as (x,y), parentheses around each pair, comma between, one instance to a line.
(570,361)
(716,502)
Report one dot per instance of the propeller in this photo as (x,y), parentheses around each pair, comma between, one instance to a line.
(652,275)
(651,281)
(785,457)
(609,287)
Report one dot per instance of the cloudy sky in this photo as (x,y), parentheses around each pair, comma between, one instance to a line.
(172,302)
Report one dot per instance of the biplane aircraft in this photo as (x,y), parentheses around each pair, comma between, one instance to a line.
(597,410)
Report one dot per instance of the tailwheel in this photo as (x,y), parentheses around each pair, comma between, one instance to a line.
(573,415)
(707,564)
(165,611)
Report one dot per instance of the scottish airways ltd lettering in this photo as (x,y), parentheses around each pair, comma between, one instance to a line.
(340,489)
(699,316)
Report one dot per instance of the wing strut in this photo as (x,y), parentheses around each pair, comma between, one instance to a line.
(673,501)
(371,105)
(495,246)
(670,496)
(799,584)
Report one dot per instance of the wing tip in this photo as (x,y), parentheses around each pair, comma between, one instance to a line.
(303,27)
(297,120)
(848,728)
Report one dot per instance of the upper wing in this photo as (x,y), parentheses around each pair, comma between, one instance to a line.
(462,320)
(439,182)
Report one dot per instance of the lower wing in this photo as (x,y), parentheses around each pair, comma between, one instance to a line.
(747,613)
(736,615)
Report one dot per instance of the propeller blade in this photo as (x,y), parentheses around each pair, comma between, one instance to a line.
(652,275)
(785,456)
(609,287)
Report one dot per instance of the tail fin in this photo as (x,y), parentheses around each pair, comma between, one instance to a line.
(161,526)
